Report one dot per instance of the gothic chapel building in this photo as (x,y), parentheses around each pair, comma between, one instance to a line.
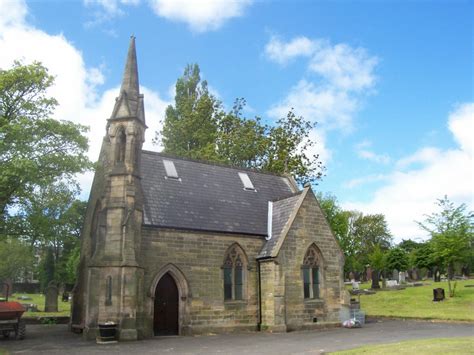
(177,246)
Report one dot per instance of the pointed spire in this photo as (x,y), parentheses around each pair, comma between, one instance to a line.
(129,103)
(130,75)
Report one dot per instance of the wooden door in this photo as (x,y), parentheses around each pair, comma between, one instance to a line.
(166,307)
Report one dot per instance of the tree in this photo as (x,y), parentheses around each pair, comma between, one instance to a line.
(242,142)
(190,126)
(371,230)
(197,127)
(289,147)
(35,150)
(47,269)
(377,263)
(396,259)
(423,257)
(16,259)
(451,231)
(50,220)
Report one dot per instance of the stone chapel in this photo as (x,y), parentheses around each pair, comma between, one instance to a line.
(179,246)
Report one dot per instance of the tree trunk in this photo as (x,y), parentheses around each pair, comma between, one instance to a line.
(375,279)
(450,276)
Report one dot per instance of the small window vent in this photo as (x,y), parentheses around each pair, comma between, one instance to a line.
(170,169)
(246,181)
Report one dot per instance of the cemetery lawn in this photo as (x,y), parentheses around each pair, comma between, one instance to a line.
(38,299)
(443,346)
(416,302)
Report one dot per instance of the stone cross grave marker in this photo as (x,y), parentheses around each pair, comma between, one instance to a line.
(51,299)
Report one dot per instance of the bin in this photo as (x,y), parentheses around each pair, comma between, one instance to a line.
(107,332)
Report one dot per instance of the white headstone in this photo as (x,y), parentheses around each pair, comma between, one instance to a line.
(401,276)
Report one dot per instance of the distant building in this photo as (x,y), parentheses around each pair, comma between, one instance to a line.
(175,246)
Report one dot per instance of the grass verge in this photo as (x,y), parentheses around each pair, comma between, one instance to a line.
(445,346)
(416,302)
(38,299)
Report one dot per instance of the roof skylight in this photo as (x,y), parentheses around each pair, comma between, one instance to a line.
(170,169)
(246,181)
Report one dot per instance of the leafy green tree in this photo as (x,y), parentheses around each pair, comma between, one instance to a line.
(35,150)
(16,259)
(50,219)
(377,261)
(451,230)
(197,127)
(396,259)
(423,257)
(289,147)
(190,126)
(408,245)
(242,142)
(370,231)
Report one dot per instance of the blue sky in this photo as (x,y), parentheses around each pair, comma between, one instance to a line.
(390,83)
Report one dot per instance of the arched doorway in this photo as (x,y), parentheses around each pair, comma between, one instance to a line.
(166,310)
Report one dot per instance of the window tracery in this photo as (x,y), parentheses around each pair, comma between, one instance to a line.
(311,273)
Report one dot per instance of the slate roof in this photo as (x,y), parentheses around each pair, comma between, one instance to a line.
(282,210)
(207,196)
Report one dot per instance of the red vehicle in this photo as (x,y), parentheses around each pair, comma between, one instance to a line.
(10,318)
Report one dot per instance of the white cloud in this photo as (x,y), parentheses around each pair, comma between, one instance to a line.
(200,16)
(364,180)
(412,190)
(76,85)
(282,52)
(332,98)
(362,150)
(12,13)
(461,124)
(347,68)
(332,109)
(106,10)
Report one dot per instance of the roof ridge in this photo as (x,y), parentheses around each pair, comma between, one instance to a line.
(288,196)
(223,165)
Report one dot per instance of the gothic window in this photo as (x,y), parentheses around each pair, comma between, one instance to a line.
(234,269)
(108,291)
(120,146)
(312,273)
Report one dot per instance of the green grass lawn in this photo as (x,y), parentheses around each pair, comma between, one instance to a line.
(416,302)
(38,299)
(443,346)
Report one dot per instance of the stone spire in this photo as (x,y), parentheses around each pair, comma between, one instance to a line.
(129,103)
(130,82)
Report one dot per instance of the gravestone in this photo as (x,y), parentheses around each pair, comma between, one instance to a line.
(369,274)
(51,299)
(401,277)
(351,276)
(392,283)
(438,294)
(355,285)
(395,274)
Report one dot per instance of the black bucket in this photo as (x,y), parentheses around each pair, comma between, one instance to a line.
(107,331)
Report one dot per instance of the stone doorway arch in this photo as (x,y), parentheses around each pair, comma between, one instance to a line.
(168,275)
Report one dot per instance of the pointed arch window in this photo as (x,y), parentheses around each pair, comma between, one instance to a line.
(234,274)
(312,273)
(120,147)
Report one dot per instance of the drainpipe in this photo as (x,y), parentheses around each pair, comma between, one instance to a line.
(259,324)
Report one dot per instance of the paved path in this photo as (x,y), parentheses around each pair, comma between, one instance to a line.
(55,339)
